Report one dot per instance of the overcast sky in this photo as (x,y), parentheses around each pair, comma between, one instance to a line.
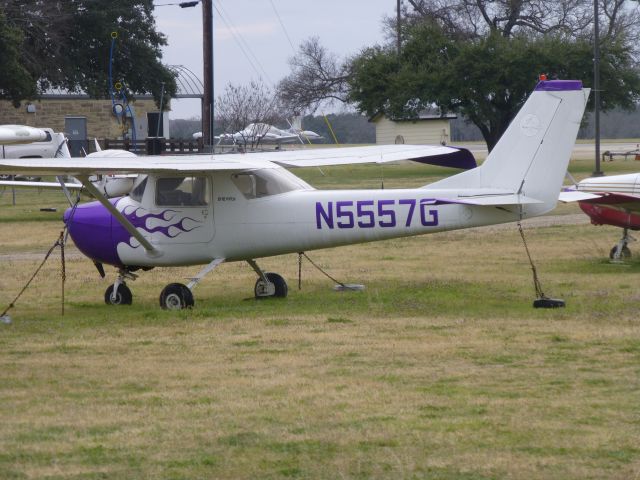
(344,27)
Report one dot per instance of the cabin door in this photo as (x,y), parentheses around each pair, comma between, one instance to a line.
(183,210)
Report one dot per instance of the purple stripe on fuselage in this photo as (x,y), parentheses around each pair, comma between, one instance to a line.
(463,159)
(558,85)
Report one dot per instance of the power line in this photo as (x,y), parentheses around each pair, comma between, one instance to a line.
(282,25)
(243,45)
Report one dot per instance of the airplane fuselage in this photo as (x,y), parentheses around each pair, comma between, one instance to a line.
(234,224)
(617,205)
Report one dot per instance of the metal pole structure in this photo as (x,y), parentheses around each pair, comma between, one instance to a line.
(207,52)
(398,27)
(160,114)
(596,85)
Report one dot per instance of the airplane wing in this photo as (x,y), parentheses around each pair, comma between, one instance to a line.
(11,134)
(124,165)
(319,157)
(448,156)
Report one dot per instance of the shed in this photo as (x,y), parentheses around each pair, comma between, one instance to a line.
(426,129)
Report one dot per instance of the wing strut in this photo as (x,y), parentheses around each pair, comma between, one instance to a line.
(151,250)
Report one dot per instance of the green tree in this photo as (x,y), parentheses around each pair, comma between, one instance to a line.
(15,81)
(486,79)
(66,44)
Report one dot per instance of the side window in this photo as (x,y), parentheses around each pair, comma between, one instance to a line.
(182,191)
(266,182)
(47,139)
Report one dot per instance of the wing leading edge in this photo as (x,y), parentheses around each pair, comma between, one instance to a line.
(445,156)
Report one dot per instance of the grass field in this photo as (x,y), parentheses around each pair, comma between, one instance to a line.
(440,369)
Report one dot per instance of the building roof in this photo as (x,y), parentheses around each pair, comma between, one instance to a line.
(188,83)
(422,116)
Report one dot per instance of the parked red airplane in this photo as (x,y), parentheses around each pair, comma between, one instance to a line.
(613,200)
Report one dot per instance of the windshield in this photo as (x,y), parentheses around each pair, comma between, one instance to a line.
(138,188)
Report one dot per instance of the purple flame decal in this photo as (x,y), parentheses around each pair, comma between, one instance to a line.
(97,234)
(139,220)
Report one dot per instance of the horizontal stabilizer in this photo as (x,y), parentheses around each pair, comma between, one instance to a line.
(569,196)
(497,200)
(626,200)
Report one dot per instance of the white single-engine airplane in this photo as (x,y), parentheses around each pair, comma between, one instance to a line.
(209,210)
(256,133)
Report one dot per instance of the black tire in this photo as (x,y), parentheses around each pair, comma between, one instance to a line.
(280,285)
(123,296)
(626,253)
(176,296)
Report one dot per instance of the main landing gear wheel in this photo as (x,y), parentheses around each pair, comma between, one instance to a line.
(123,295)
(624,253)
(176,296)
(276,287)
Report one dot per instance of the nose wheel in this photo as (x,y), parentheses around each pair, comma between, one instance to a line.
(621,250)
(121,296)
(119,293)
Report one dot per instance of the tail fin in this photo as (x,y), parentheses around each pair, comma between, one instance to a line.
(532,156)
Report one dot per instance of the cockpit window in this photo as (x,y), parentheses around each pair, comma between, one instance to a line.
(138,190)
(182,191)
(47,138)
(266,182)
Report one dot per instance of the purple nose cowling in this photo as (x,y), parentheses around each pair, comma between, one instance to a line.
(91,228)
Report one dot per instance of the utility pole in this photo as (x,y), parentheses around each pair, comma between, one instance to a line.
(596,85)
(399,27)
(207,52)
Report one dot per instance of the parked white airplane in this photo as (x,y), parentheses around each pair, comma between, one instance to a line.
(56,144)
(255,133)
(203,210)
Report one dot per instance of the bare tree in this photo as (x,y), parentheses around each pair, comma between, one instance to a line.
(243,105)
(471,19)
(316,76)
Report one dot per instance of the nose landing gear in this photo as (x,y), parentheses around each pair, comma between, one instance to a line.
(621,250)
(119,293)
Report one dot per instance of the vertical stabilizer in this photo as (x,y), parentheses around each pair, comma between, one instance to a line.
(532,156)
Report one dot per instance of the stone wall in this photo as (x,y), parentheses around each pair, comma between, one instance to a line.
(101,123)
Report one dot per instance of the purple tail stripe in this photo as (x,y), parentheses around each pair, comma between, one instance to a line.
(558,85)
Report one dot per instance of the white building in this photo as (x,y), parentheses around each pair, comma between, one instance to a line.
(427,129)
